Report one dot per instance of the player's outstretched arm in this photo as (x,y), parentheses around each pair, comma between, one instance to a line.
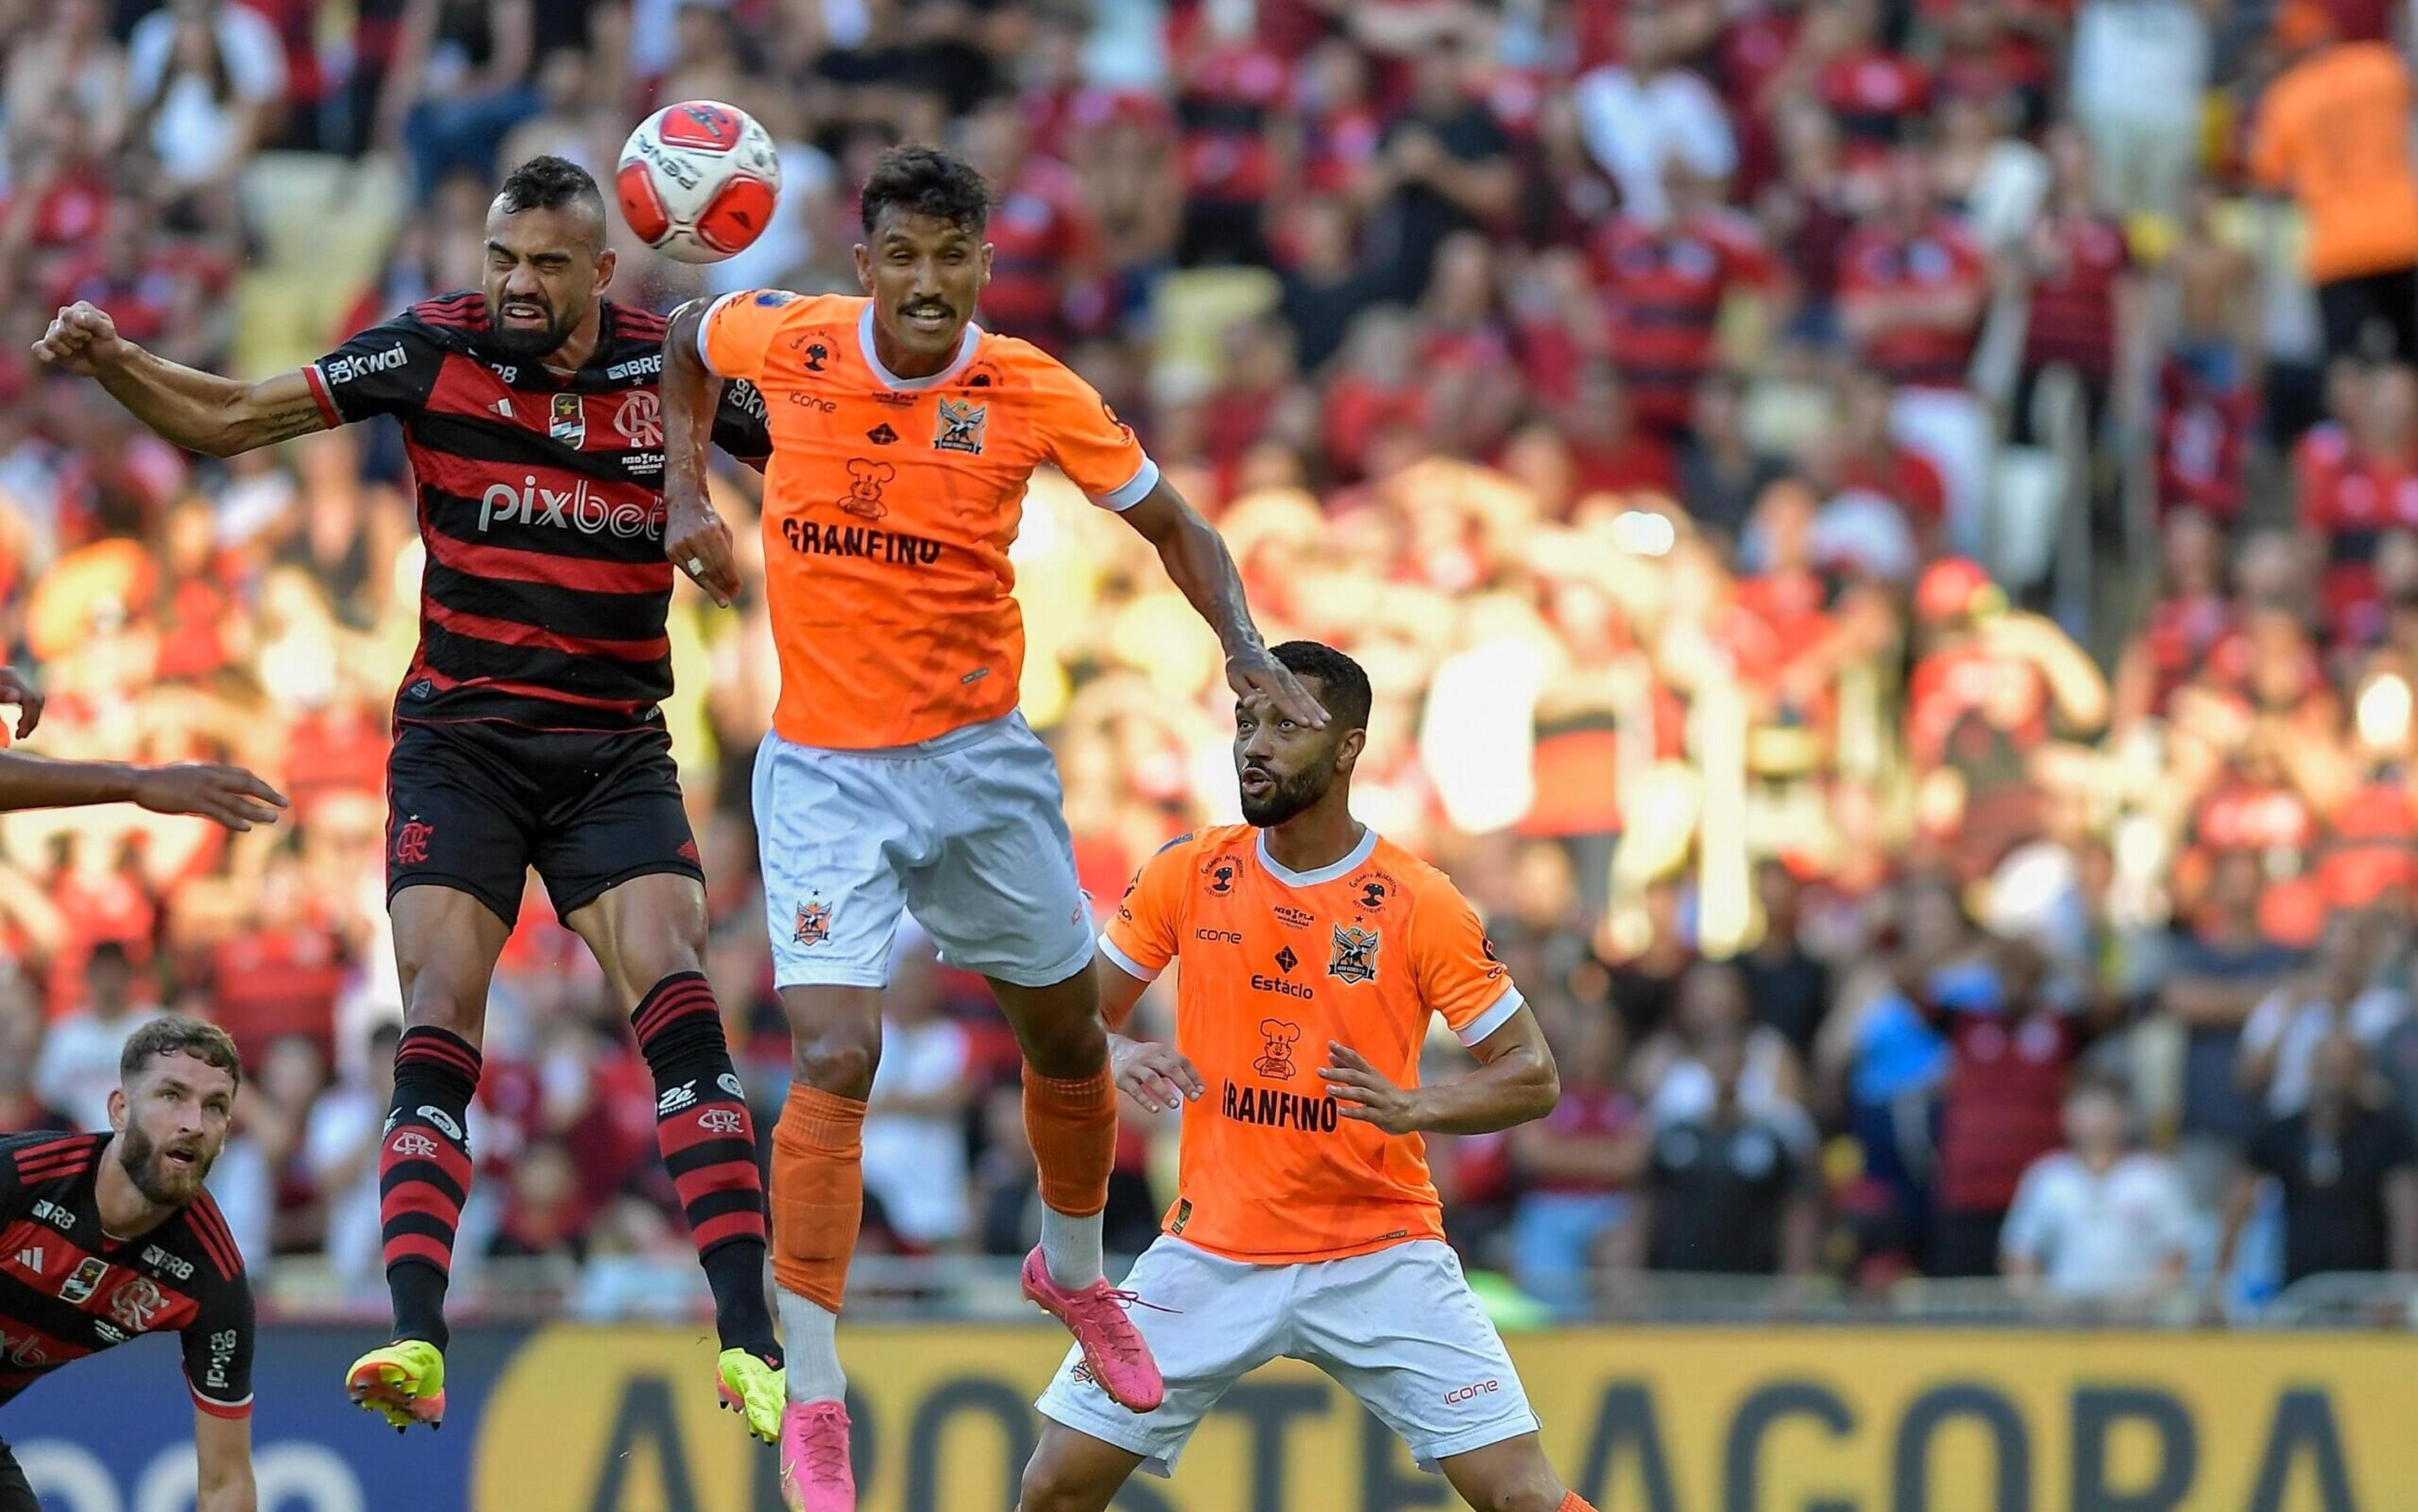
(1199,563)
(198,411)
(694,537)
(230,795)
(1515,1082)
(223,1455)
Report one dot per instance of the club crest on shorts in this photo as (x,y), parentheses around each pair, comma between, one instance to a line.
(411,842)
(961,427)
(1355,960)
(814,924)
(1277,1040)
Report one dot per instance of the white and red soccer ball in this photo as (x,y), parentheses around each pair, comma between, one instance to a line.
(697,180)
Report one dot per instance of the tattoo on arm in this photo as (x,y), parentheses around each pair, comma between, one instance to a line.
(284,418)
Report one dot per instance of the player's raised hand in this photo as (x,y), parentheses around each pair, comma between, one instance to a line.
(699,544)
(1255,669)
(1153,1074)
(15,688)
(230,795)
(1365,1094)
(82,337)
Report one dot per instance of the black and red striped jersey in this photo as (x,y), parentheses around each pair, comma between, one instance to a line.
(69,1289)
(541,502)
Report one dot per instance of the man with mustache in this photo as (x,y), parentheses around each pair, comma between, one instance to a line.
(1305,1224)
(529,731)
(107,1236)
(899,776)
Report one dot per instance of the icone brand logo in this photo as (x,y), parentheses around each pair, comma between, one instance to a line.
(1223,937)
(1474,1389)
(651,363)
(347,369)
(572,509)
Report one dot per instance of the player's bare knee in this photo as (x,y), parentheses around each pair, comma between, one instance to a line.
(1074,1046)
(1051,1486)
(835,1035)
(1538,1490)
(436,999)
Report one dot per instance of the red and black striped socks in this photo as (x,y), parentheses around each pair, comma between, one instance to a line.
(709,1146)
(424,1174)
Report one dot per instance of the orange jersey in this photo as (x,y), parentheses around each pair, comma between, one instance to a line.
(889,506)
(2334,130)
(1275,964)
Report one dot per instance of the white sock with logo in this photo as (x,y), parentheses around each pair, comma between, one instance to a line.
(1070,1247)
(810,1348)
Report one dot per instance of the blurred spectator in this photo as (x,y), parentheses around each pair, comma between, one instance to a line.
(2140,70)
(2010,1051)
(340,1154)
(1442,165)
(2217,976)
(1731,1191)
(1646,114)
(1665,278)
(77,1069)
(22,1110)
(2348,1174)
(1575,1165)
(2281,1038)
(2333,130)
(2095,1221)
(914,1121)
(2084,309)
(69,64)
(462,77)
(206,79)
(1788,986)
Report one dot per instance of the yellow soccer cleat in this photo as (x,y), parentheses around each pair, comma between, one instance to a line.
(754,1390)
(405,1381)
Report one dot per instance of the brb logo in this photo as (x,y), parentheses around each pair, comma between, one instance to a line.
(571,509)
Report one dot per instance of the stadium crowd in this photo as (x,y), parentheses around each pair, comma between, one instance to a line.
(1886,537)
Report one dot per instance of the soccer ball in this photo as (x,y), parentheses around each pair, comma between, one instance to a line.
(697,180)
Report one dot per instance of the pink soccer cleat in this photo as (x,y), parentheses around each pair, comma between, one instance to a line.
(815,1473)
(1112,1347)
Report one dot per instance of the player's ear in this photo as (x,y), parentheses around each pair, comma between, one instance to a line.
(1347,751)
(605,262)
(117,1110)
(864,268)
(984,281)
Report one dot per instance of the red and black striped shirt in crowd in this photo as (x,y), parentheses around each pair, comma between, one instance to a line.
(1940,256)
(1664,285)
(2076,264)
(69,1289)
(541,502)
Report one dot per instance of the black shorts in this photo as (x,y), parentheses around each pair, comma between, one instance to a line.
(473,806)
(16,1491)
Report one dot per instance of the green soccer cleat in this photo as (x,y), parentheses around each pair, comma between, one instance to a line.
(405,1381)
(754,1390)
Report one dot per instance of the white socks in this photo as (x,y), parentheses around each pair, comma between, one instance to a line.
(810,1345)
(1070,1247)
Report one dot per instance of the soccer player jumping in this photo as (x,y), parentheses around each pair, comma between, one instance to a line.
(899,775)
(1306,1225)
(528,731)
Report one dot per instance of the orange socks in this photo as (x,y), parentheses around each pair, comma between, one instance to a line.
(817,1196)
(1574,1503)
(1073,1126)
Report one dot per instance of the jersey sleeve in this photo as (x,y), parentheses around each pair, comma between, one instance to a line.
(218,1349)
(1458,973)
(738,331)
(740,425)
(1141,934)
(1082,435)
(386,369)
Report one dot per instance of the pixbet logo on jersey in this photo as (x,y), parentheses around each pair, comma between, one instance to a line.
(572,509)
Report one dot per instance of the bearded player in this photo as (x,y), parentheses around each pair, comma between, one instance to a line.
(899,776)
(107,1236)
(529,731)
(1314,952)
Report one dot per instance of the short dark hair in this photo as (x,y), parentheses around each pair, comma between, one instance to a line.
(175,1034)
(921,180)
(1342,685)
(550,183)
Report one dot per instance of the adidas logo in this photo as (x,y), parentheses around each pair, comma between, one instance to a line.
(504,407)
(881,435)
(31,1259)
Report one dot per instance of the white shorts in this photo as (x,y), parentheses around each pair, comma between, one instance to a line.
(1399,1329)
(967,831)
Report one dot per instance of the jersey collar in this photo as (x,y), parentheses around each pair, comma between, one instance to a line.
(890,380)
(1359,853)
